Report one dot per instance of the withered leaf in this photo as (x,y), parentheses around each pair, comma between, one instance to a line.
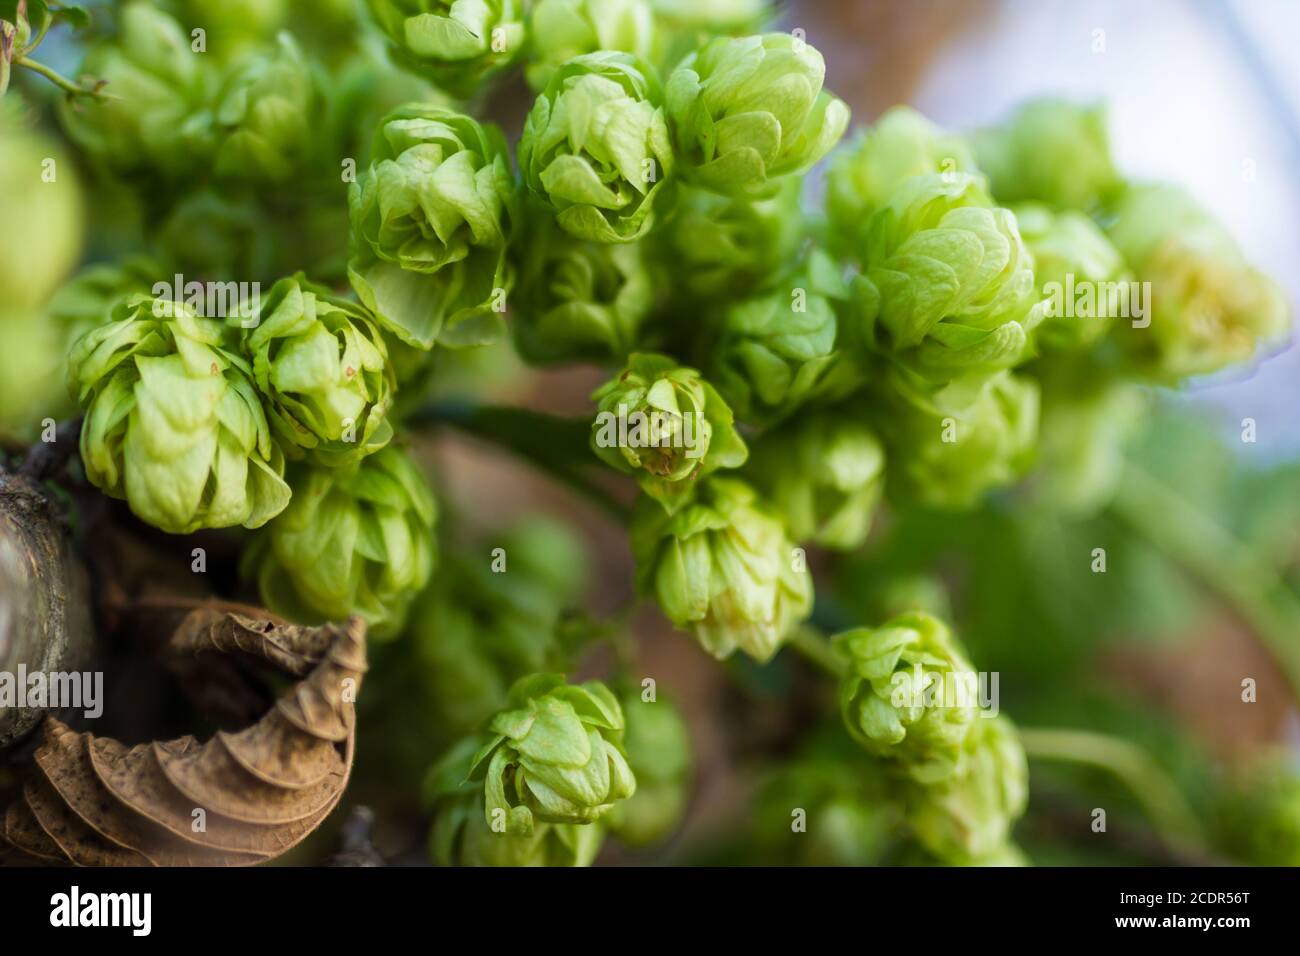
(93,801)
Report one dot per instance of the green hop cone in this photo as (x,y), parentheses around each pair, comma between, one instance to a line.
(665,424)
(866,172)
(554,755)
(957,295)
(727,247)
(1078,272)
(746,111)
(595,151)
(967,818)
(356,539)
(233,27)
(1207,308)
(263,116)
(559,30)
(159,121)
(212,235)
(724,567)
(431,218)
(88,299)
(41,240)
(173,421)
(825,473)
(462,836)
(950,456)
(909,694)
(474,631)
(778,350)
(658,748)
(578,300)
(458,44)
(1050,151)
(322,368)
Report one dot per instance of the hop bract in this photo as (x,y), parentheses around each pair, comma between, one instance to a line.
(909,694)
(462,836)
(665,424)
(356,539)
(457,44)
(430,221)
(159,120)
(724,567)
(1050,151)
(865,173)
(174,423)
(745,111)
(559,30)
(595,148)
(578,299)
(322,367)
(555,755)
(825,474)
(967,818)
(263,114)
(957,290)
(1208,307)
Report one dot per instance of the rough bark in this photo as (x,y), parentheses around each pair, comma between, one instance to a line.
(45,622)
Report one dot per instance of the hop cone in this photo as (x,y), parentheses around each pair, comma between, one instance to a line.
(173,422)
(355,540)
(665,424)
(905,698)
(724,567)
(322,368)
(430,221)
(559,30)
(746,111)
(555,755)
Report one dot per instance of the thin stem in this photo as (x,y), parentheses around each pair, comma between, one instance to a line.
(1159,796)
(62,82)
(817,649)
(1251,586)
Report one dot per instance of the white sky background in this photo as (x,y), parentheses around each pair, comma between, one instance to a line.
(1196,88)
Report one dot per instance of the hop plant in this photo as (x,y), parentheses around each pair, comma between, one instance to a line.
(554,755)
(666,425)
(904,697)
(746,111)
(659,752)
(322,368)
(579,300)
(462,836)
(1050,151)
(262,114)
(824,473)
(949,456)
(356,539)
(431,218)
(595,150)
(1208,307)
(174,423)
(160,120)
(779,351)
(724,567)
(864,174)
(457,44)
(1070,252)
(560,30)
(957,296)
(723,247)
(967,819)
